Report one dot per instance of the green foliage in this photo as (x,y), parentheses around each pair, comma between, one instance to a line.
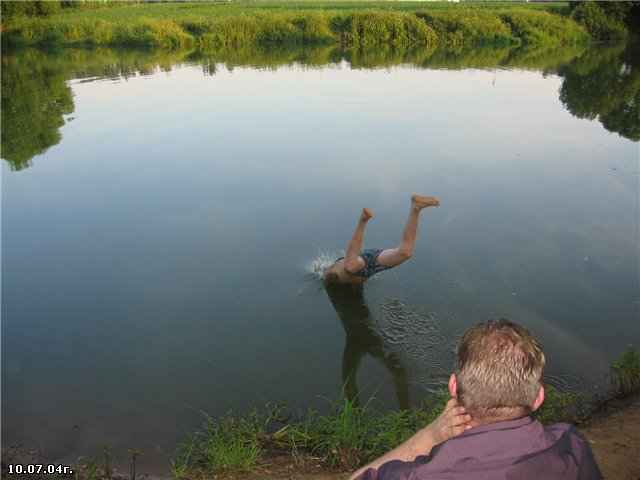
(346,436)
(33,8)
(543,27)
(624,374)
(230,443)
(12,9)
(144,32)
(227,443)
(602,23)
(51,38)
(344,432)
(354,24)
(182,458)
(559,406)
(371,28)
(604,84)
(464,27)
(350,435)
(317,27)
(49,7)
(108,460)
(135,453)
(88,471)
(35,99)
(16,9)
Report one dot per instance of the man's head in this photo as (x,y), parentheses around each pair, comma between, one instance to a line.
(499,368)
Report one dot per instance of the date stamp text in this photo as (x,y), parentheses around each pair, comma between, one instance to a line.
(38,469)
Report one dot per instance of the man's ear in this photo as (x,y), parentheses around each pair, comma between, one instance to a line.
(453,385)
(539,399)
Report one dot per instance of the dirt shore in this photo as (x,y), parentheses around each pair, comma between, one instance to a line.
(614,436)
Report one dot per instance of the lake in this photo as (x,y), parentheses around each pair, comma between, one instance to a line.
(164,215)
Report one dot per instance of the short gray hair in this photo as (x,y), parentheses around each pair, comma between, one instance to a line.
(499,370)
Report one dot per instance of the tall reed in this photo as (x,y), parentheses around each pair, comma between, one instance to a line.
(269,24)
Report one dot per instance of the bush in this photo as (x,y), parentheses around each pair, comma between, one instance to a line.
(624,374)
(50,7)
(601,24)
(52,38)
(561,406)
(145,32)
(316,27)
(371,28)
(16,9)
(459,27)
(277,29)
(543,27)
(12,9)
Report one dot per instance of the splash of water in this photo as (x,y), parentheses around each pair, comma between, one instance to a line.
(322,261)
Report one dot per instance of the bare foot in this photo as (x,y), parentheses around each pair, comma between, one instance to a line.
(366,214)
(422,202)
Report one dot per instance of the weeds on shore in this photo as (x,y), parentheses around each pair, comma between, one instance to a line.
(567,407)
(350,435)
(624,374)
(346,437)
(273,23)
(90,470)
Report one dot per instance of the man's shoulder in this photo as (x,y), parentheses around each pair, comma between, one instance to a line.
(566,430)
(521,448)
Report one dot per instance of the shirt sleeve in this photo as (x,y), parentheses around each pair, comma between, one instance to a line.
(395,469)
(369,474)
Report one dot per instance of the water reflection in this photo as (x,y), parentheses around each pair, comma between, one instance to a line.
(604,83)
(599,82)
(362,339)
(35,98)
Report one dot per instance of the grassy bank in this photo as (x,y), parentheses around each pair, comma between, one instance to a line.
(349,435)
(351,24)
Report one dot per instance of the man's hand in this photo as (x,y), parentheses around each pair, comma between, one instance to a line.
(451,422)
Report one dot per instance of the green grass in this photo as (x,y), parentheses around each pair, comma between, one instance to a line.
(230,443)
(624,374)
(180,10)
(226,443)
(352,24)
(559,406)
(350,435)
(534,27)
(346,436)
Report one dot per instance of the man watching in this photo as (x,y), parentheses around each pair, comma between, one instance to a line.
(486,431)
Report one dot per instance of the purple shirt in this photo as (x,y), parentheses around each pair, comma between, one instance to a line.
(514,449)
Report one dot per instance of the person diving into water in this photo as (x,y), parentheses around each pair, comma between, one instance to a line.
(358,266)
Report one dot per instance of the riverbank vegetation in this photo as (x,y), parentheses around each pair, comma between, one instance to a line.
(350,24)
(352,433)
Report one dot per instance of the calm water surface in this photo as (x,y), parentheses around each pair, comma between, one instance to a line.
(161,225)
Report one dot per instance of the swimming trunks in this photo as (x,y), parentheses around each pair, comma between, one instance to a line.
(371,266)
